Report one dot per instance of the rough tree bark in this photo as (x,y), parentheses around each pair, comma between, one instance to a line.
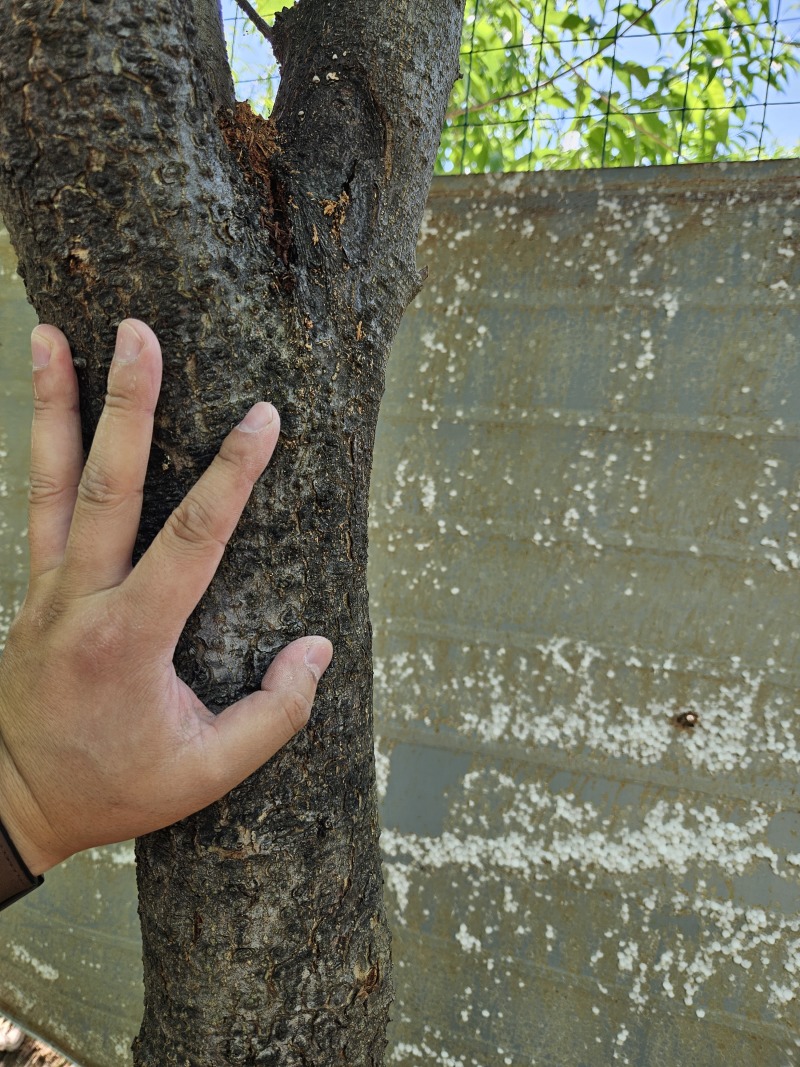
(274,260)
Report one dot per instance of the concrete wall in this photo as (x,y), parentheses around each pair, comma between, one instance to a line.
(584,526)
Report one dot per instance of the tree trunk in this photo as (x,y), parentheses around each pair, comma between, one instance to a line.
(274,260)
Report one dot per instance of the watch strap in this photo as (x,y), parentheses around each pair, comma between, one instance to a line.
(15,878)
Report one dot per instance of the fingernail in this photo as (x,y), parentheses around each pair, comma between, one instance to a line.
(318,655)
(41,350)
(258,418)
(129,344)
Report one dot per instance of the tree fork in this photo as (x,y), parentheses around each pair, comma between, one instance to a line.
(265,938)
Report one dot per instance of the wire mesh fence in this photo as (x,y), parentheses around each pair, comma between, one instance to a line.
(560,84)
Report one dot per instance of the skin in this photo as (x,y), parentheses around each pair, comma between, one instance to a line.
(100,741)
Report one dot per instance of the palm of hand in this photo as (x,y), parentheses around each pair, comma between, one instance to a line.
(100,740)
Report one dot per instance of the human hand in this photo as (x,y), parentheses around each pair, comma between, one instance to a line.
(100,740)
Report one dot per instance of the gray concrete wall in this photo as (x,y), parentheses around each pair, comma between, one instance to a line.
(584,526)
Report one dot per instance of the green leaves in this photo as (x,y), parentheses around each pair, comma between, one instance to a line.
(268,9)
(585,83)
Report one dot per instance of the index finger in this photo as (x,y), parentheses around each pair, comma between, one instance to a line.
(178,566)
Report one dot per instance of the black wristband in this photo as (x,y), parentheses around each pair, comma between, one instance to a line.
(15,878)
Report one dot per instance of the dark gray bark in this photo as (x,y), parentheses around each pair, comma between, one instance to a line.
(276,272)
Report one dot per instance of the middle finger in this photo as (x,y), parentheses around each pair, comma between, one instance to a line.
(109,500)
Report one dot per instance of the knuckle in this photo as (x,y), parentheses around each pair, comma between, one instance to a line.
(44,489)
(105,641)
(296,708)
(47,407)
(85,642)
(39,614)
(193,524)
(97,489)
(119,403)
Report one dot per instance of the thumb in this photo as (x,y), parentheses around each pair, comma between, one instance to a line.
(252,730)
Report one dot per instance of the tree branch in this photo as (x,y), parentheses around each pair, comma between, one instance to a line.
(259,23)
(211,56)
(363,96)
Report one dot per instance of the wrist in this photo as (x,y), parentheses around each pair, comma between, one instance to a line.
(35,859)
(19,816)
(16,880)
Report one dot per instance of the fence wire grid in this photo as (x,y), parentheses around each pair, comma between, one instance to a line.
(566,84)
